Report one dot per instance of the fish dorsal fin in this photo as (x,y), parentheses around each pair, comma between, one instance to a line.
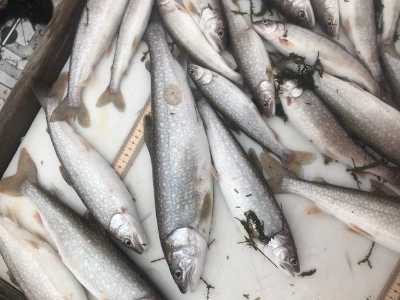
(26,171)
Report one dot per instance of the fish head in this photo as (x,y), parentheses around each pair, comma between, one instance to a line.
(266,92)
(270,29)
(289,90)
(283,252)
(304,13)
(199,74)
(213,28)
(185,250)
(129,231)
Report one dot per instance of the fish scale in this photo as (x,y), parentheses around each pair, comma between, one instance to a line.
(87,252)
(375,216)
(247,195)
(181,165)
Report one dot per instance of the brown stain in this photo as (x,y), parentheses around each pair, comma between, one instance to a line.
(135,43)
(33,243)
(314,210)
(289,101)
(173,94)
(206,209)
(357,230)
(37,218)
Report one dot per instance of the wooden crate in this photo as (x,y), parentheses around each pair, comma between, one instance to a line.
(45,64)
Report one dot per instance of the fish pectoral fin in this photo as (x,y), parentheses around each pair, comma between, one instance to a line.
(60,86)
(148,133)
(83,116)
(65,175)
(358,230)
(26,171)
(112,96)
(296,159)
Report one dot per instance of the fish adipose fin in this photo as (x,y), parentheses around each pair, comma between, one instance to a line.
(112,96)
(26,171)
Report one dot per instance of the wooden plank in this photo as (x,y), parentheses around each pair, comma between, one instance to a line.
(45,64)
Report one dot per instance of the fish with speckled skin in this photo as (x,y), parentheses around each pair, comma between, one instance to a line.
(247,195)
(358,22)
(389,54)
(299,11)
(375,216)
(209,18)
(252,58)
(87,252)
(27,258)
(98,25)
(93,178)
(237,107)
(291,39)
(389,20)
(185,31)
(181,162)
(130,33)
(328,16)
(367,117)
(312,118)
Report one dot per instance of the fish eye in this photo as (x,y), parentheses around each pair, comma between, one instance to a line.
(293,261)
(301,14)
(178,274)
(128,243)
(220,32)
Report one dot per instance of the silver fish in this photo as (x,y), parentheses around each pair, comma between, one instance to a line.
(391,62)
(93,259)
(239,109)
(184,30)
(327,13)
(99,24)
(252,58)
(288,39)
(247,195)
(312,118)
(27,258)
(358,21)
(374,122)
(208,16)
(94,180)
(299,11)
(390,57)
(182,169)
(390,19)
(375,216)
(132,28)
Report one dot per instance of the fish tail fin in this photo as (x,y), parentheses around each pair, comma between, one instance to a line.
(26,171)
(65,112)
(296,159)
(112,96)
(276,172)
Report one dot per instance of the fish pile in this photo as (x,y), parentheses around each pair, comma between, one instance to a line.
(330,67)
